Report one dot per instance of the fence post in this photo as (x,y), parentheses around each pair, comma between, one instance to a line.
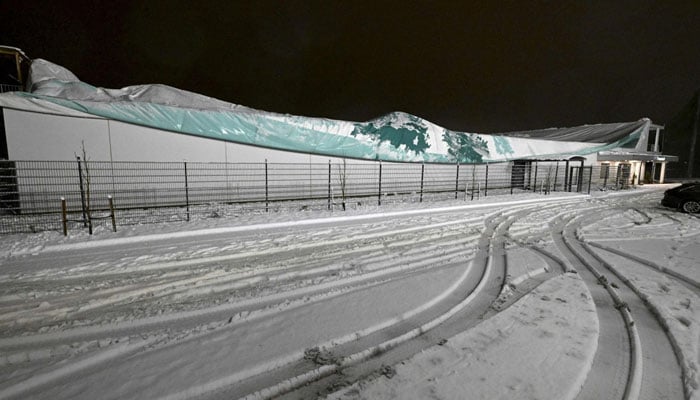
(422,174)
(187,193)
(486,181)
(534,181)
(605,177)
(512,171)
(473,179)
(566,177)
(111,213)
(379,198)
(579,181)
(63,216)
(457,182)
(329,184)
(267,202)
(82,192)
(556,172)
(590,178)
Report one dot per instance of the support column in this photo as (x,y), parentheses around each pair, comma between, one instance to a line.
(656,141)
(663,172)
(642,170)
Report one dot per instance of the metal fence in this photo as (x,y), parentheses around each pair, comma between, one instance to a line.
(9,88)
(148,192)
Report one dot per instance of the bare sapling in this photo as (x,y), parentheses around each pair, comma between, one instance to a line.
(87,187)
(342,180)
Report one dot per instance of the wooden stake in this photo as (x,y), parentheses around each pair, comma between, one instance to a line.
(63,216)
(111,213)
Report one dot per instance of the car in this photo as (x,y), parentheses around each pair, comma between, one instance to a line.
(685,197)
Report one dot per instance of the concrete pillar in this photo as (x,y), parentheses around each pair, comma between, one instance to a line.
(637,170)
(656,141)
(642,171)
(663,172)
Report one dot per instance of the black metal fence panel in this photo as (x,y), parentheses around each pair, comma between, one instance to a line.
(148,192)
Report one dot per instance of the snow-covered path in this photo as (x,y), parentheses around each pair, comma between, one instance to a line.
(299,307)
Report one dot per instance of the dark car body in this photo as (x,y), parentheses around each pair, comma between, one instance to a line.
(685,197)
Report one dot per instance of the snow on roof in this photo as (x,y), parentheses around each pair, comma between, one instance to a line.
(393,137)
(598,133)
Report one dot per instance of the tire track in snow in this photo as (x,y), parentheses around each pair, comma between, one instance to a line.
(396,270)
(287,254)
(394,265)
(249,369)
(491,258)
(661,314)
(399,272)
(666,337)
(309,249)
(690,283)
(141,264)
(628,366)
(648,349)
(301,268)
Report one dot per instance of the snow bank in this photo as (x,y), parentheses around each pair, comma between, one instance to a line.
(41,243)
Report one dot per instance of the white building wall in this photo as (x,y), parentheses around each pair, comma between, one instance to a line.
(135,143)
(37,136)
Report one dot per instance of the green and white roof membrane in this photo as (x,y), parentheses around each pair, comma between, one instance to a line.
(393,137)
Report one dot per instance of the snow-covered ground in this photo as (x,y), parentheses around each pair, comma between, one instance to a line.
(559,296)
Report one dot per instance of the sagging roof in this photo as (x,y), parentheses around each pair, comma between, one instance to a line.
(393,137)
(635,156)
(598,133)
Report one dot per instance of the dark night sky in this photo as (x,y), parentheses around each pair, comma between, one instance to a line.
(476,66)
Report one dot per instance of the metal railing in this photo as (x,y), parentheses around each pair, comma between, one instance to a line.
(148,192)
(9,88)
